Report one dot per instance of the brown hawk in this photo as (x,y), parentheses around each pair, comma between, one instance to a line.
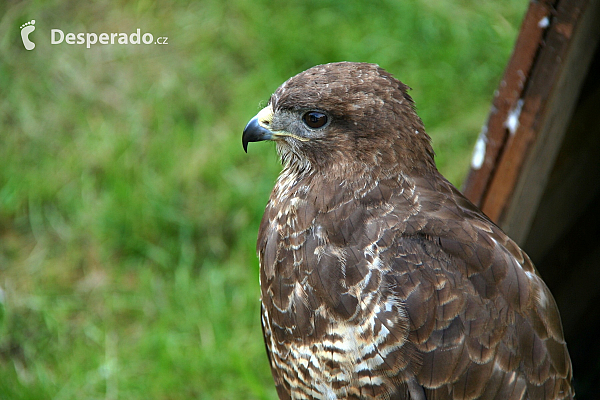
(379,279)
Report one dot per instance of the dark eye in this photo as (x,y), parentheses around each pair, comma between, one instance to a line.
(314,119)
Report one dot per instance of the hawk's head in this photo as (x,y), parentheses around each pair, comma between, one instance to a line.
(343,115)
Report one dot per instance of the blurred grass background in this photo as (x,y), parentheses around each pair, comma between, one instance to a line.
(128,209)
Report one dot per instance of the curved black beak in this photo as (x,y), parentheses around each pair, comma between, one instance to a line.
(255,132)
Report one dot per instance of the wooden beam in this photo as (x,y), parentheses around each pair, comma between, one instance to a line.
(494,134)
(532,126)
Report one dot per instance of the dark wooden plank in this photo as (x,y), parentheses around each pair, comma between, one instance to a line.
(575,178)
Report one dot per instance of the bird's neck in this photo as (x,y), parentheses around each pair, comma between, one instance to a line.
(326,189)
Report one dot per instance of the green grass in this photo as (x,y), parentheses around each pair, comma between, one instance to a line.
(128,209)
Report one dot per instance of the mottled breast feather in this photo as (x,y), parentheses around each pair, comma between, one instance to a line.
(385,282)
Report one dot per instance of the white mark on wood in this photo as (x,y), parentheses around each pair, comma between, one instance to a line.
(512,121)
(479,151)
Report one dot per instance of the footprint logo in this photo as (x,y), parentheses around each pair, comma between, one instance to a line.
(26,29)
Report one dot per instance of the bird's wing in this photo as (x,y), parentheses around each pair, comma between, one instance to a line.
(483,321)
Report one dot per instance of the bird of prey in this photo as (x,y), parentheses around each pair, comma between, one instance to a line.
(379,279)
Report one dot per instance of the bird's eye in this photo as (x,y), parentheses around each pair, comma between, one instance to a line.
(314,119)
